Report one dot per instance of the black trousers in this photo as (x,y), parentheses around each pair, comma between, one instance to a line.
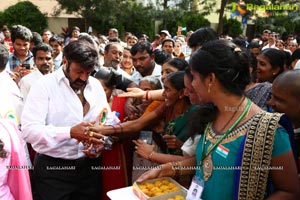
(60,179)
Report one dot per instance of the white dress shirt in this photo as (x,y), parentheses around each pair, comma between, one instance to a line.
(11,104)
(10,94)
(52,108)
(57,61)
(136,77)
(268,46)
(27,81)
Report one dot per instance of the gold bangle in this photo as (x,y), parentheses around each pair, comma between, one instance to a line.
(150,155)
(177,168)
(172,167)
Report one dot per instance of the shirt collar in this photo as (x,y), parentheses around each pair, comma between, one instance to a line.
(30,55)
(61,76)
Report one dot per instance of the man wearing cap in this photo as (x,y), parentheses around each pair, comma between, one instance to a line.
(164,34)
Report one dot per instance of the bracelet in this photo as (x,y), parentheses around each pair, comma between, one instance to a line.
(174,172)
(121,127)
(178,168)
(150,155)
(115,130)
(147,93)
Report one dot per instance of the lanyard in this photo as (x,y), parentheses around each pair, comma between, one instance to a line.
(225,134)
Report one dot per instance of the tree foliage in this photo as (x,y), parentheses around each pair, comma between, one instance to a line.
(232,27)
(283,22)
(125,15)
(279,24)
(193,21)
(26,14)
(128,15)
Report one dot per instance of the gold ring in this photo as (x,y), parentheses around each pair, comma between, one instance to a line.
(91,133)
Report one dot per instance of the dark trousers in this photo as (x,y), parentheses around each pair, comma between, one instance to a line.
(60,179)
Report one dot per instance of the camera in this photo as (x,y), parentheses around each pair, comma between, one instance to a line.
(26,65)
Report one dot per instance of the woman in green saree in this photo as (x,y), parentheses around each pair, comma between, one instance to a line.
(241,147)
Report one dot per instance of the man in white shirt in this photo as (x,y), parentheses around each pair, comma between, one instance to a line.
(42,56)
(271,42)
(58,113)
(14,184)
(9,87)
(113,54)
(57,44)
(143,61)
(11,101)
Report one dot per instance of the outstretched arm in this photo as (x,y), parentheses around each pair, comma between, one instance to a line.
(139,93)
(169,169)
(126,127)
(147,151)
(284,177)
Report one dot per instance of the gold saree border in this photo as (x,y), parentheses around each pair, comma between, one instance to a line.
(257,155)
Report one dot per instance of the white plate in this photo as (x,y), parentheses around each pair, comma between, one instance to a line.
(122,193)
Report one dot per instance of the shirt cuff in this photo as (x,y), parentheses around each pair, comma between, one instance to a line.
(63,133)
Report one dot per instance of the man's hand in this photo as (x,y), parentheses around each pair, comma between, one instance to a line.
(82,133)
(130,108)
(22,71)
(93,151)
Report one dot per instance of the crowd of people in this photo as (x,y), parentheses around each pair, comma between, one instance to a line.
(86,114)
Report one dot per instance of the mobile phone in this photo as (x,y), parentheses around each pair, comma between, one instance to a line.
(146,136)
(26,65)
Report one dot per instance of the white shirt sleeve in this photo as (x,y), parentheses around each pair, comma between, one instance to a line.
(35,130)
(189,147)
(24,88)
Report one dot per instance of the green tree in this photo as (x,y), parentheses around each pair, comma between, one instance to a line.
(128,15)
(232,27)
(193,21)
(283,22)
(279,24)
(26,14)
(125,15)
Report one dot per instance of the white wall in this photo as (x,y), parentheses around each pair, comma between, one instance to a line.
(55,24)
